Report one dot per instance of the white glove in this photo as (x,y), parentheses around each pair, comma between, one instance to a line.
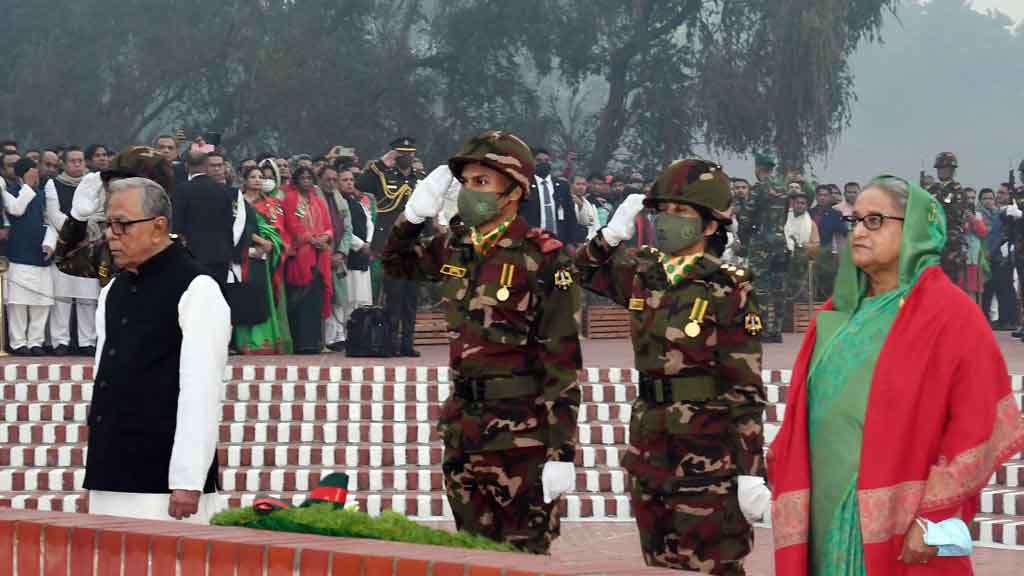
(86,201)
(622,226)
(428,197)
(557,478)
(1013,211)
(755,498)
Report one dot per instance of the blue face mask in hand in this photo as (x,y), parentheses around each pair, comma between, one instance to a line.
(951,536)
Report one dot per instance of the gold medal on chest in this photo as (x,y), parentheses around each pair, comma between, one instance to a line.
(692,329)
(502,294)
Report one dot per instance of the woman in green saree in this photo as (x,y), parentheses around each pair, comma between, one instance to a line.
(891,421)
(261,264)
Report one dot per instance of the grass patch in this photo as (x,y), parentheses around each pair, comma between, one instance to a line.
(326,520)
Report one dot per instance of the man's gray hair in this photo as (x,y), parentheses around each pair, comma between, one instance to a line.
(895,188)
(155,201)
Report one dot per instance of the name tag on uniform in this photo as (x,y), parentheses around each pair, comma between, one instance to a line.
(561,213)
(453,271)
(636,304)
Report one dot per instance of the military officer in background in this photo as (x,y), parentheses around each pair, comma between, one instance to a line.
(391,180)
(763,235)
(696,436)
(949,193)
(513,306)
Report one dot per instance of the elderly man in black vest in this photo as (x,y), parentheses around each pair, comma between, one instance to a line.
(163,328)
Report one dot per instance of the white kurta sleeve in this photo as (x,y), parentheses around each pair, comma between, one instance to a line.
(86,201)
(17,206)
(238,226)
(54,217)
(205,321)
(101,325)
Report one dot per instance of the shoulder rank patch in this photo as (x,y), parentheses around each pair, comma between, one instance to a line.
(563,278)
(636,304)
(739,275)
(544,240)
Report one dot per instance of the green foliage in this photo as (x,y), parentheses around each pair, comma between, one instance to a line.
(326,520)
(303,75)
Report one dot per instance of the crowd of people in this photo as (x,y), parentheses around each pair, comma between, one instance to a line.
(301,237)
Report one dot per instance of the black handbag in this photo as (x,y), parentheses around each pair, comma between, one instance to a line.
(248,300)
(368,331)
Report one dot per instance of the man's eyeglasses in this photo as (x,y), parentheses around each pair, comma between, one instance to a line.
(871,221)
(120,227)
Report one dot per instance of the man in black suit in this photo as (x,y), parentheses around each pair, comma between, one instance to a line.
(204,214)
(550,205)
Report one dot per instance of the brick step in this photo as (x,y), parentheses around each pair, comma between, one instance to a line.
(285,432)
(80,371)
(331,392)
(254,480)
(987,529)
(16,413)
(259,455)
(1003,498)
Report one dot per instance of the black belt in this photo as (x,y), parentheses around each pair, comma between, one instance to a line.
(690,385)
(497,388)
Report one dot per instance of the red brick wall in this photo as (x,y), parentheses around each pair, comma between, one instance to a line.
(61,544)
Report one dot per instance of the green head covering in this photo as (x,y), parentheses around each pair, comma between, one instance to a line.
(924,237)
(764,160)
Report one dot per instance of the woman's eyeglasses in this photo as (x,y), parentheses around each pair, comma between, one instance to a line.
(871,221)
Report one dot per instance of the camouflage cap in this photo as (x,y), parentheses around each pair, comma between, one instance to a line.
(141,161)
(695,182)
(503,151)
(764,160)
(945,159)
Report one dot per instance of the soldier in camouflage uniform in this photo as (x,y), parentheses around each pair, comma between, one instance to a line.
(696,425)
(82,249)
(949,193)
(513,318)
(763,234)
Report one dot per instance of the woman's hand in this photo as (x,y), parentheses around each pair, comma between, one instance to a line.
(915,551)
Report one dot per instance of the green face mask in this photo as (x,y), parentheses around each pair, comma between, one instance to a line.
(676,233)
(477,207)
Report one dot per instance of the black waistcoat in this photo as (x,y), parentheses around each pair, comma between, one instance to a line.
(134,408)
(65,195)
(358,260)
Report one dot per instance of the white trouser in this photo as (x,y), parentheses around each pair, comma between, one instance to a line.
(334,327)
(60,321)
(27,325)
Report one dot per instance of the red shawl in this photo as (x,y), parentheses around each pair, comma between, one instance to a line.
(940,419)
(305,216)
(270,209)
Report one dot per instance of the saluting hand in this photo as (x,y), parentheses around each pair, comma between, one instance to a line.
(184,503)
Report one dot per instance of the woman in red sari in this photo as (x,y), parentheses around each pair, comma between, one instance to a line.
(899,407)
(308,270)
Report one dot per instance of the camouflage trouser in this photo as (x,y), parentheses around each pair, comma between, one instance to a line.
(499,495)
(683,487)
(701,530)
(770,272)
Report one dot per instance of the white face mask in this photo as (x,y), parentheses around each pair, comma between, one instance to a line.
(268,185)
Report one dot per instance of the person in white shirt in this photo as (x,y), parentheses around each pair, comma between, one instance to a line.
(163,329)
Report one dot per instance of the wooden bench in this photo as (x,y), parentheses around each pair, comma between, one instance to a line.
(607,322)
(802,314)
(431,328)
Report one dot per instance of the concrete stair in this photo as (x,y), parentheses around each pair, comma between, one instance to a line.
(284,427)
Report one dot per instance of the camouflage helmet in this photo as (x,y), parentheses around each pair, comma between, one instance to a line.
(503,151)
(694,182)
(143,162)
(945,160)
(1020,168)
